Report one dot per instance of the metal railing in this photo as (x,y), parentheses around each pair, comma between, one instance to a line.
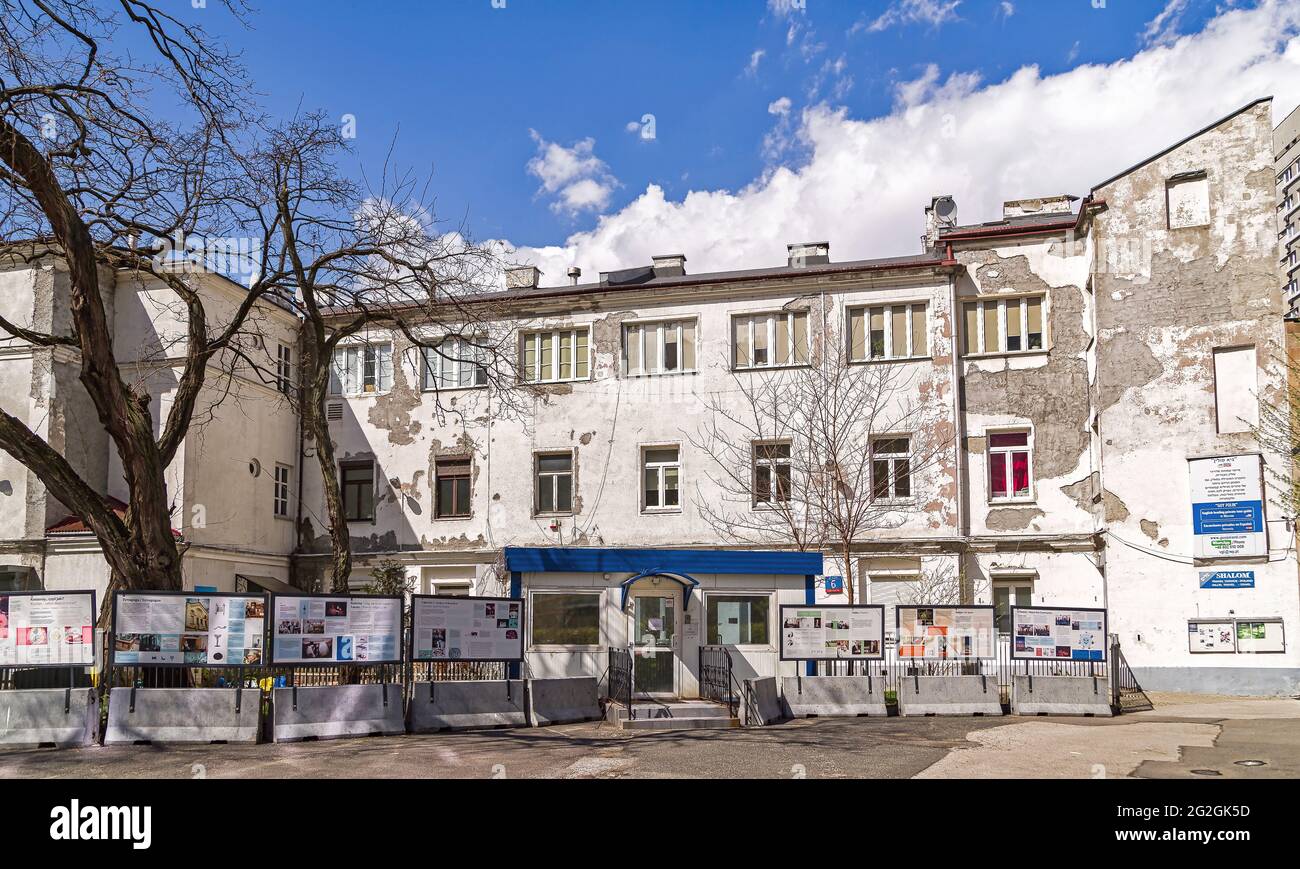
(717,677)
(1126,694)
(620,678)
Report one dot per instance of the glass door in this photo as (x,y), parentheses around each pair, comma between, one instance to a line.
(654,643)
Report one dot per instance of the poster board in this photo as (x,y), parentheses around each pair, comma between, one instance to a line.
(445,628)
(1228,507)
(334,629)
(1260,636)
(832,632)
(1211,636)
(188,628)
(47,629)
(1073,634)
(945,633)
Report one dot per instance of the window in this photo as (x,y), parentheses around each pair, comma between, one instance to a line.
(282,491)
(888,332)
(284,369)
(1003,325)
(456,363)
(561,354)
(1008,593)
(362,368)
(1009,466)
(770,340)
(771,472)
(1188,200)
(659,348)
(737,619)
(891,468)
(1236,403)
(564,619)
(453,475)
(357,480)
(661,473)
(555,483)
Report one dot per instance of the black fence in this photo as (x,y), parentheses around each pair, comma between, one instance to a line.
(621,678)
(717,677)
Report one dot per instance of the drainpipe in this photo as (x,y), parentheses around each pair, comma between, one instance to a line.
(967,595)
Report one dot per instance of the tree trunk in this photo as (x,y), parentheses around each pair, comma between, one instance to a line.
(315,389)
(849,588)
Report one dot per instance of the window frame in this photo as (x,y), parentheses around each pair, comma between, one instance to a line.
(680,326)
(556,335)
(434,363)
(468,476)
(1001,303)
(346,466)
(909,307)
(892,458)
(771,328)
(1013,583)
(1006,452)
(284,379)
(553,475)
(533,594)
(756,462)
(361,348)
(660,467)
(772,609)
(281,487)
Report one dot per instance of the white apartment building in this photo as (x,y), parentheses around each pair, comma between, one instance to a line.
(1286,148)
(1086,373)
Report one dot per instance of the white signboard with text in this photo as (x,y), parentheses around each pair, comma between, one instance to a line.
(197,629)
(466,628)
(1059,634)
(938,633)
(47,629)
(1228,507)
(832,632)
(1212,636)
(337,629)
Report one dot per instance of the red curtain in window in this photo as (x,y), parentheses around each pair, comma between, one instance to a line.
(1020,472)
(998,475)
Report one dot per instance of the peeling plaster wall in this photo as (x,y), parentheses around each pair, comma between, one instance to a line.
(1165,299)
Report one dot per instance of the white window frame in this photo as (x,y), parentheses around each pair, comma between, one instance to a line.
(282,482)
(773,613)
(660,468)
(893,458)
(382,372)
(556,336)
(442,370)
(1004,454)
(1022,303)
(656,332)
(551,477)
(284,368)
(755,462)
(1012,582)
(909,353)
(770,326)
(600,619)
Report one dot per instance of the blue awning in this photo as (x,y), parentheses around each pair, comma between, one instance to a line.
(675,562)
(688,583)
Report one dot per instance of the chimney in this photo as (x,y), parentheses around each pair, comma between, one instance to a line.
(808,253)
(522,277)
(1063,204)
(574,274)
(669,265)
(940,214)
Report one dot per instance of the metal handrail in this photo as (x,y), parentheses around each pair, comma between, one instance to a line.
(621,677)
(721,687)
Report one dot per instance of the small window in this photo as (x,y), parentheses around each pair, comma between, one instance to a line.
(1236,387)
(357,479)
(284,369)
(1188,200)
(661,473)
(888,332)
(771,472)
(453,478)
(282,491)
(1010,468)
(891,468)
(562,354)
(659,348)
(562,619)
(1003,325)
(1009,593)
(771,340)
(554,483)
(737,619)
(361,369)
(456,363)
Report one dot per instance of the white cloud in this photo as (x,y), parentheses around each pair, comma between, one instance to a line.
(1163,29)
(575,178)
(1008,8)
(754,60)
(865,181)
(932,12)
(786,8)
(779,106)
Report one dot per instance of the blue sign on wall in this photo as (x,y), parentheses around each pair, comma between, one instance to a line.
(1227,579)
(834,585)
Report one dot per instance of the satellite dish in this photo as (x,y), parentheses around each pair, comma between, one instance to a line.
(945,206)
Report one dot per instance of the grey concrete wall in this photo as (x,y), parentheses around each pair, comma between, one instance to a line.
(35,717)
(764,706)
(558,701)
(948,695)
(1243,681)
(1060,695)
(462,705)
(833,696)
(331,711)
(182,715)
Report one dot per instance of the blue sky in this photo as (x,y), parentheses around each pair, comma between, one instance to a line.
(737,89)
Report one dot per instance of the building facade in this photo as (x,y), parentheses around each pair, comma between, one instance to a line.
(1286,147)
(1063,419)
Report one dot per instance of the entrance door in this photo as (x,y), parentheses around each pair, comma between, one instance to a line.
(654,642)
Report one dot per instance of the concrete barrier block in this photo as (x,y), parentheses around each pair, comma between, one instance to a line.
(833,696)
(1061,695)
(34,717)
(559,701)
(182,715)
(462,705)
(764,706)
(948,695)
(333,711)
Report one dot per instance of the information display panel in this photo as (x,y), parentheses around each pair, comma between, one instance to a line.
(188,628)
(47,629)
(945,633)
(832,632)
(336,629)
(466,628)
(1074,634)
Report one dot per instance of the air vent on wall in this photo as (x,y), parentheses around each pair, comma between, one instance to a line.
(334,410)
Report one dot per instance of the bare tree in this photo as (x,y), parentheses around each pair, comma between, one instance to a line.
(817,457)
(1278,433)
(89,174)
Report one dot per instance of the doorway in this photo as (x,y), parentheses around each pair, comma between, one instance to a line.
(653,631)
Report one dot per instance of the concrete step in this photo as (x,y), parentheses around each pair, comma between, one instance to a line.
(686,709)
(711,723)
